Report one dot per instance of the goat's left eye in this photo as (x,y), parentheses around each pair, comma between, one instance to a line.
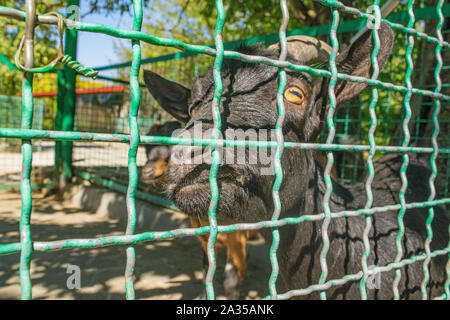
(294,95)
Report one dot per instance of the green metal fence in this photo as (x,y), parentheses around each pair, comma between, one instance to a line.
(352,122)
(64,132)
(10,154)
(108,112)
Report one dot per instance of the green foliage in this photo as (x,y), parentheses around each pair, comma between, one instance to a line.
(108,6)
(11,31)
(194,22)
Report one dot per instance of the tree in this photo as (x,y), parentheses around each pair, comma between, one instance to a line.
(11,32)
(46,40)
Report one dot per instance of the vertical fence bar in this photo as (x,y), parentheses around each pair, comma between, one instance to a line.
(434,143)
(406,139)
(216,151)
(446,294)
(373,126)
(279,151)
(61,82)
(69,98)
(27,154)
(132,152)
(330,158)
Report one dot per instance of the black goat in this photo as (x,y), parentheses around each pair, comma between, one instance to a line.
(154,173)
(249,102)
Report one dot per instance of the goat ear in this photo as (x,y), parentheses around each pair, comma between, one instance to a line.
(173,97)
(356,61)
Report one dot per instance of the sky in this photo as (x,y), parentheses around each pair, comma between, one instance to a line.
(96,49)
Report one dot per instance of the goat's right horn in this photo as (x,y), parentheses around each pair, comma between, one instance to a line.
(306,49)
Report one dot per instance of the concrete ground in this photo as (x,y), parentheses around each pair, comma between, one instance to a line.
(166,269)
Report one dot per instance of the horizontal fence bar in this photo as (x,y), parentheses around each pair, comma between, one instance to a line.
(4,60)
(10,248)
(358,276)
(34,186)
(427,13)
(15,247)
(162,235)
(167,57)
(364,15)
(124,138)
(137,35)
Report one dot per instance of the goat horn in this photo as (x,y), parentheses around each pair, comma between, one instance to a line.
(306,49)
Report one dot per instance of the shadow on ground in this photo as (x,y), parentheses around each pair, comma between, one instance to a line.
(164,269)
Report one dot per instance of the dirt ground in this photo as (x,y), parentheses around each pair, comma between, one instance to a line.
(164,269)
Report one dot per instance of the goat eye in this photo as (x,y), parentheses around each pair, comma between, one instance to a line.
(191,111)
(294,95)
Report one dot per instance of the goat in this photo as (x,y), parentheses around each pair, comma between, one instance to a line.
(249,101)
(154,174)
